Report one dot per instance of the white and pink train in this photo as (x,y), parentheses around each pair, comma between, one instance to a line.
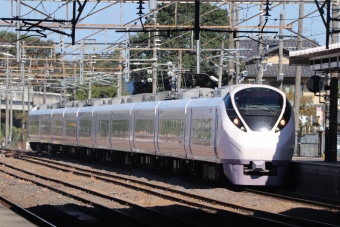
(244,131)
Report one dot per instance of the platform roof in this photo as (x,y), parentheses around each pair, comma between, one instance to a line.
(305,57)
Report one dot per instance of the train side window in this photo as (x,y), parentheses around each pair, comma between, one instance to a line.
(104,128)
(227,102)
(201,132)
(85,127)
(171,130)
(229,107)
(34,127)
(120,129)
(70,128)
(57,127)
(144,127)
(46,126)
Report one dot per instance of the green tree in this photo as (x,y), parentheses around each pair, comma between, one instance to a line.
(307,108)
(211,15)
(99,91)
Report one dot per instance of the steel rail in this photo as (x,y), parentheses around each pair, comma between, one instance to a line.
(151,212)
(213,202)
(284,195)
(307,199)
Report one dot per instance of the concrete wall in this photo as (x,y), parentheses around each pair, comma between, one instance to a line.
(36,98)
(317,179)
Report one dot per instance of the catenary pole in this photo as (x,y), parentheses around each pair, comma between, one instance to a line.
(280,51)
(297,93)
(260,61)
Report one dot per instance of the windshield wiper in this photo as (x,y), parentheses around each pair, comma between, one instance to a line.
(262,104)
(239,108)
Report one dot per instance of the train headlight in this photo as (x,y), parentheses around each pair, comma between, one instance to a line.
(233,116)
(283,122)
(285,118)
(281,125)
(238,123)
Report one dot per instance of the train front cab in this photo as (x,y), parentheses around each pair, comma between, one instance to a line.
(260,135)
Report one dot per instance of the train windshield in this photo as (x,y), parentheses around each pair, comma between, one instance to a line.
(259,107)
(259,98)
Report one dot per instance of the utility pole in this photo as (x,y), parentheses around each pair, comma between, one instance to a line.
(335,23)
(173,78)
(23,59)
(1,136)
(179,75)
(155,47)
(44,94)
(74,92)
(231,41)
(280,52)
(10,117)
(89,91)
(176,14)
(81,63)
(119,88)
(7,78)
(197,36)
(18,32)
(297,95)
(260,63)
(220,68)
(28,97)
(64,91)
(237,45)
(127,58)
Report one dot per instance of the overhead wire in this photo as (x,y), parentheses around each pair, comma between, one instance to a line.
(89,12)
(32,9)
(187,32)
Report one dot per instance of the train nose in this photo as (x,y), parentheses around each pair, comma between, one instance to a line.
(257,145)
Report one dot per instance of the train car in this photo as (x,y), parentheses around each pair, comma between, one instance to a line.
(245,132)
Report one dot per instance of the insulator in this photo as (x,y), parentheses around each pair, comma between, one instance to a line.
(140,12)
(140,7)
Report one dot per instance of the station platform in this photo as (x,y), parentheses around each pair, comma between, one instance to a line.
(313,176)
(8,218)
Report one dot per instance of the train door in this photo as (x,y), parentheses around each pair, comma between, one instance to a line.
(95,127)
(110,127)
(132,128)
(157,119)
(202,132)
(187,135)
(216,130)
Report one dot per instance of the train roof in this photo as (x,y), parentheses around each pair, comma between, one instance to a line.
(193,93)
(145,97)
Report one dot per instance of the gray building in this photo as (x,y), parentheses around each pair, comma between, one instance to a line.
(271,56)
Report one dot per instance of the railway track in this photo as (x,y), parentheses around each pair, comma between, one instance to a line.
(136,218)
(187,198)
(297,197)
